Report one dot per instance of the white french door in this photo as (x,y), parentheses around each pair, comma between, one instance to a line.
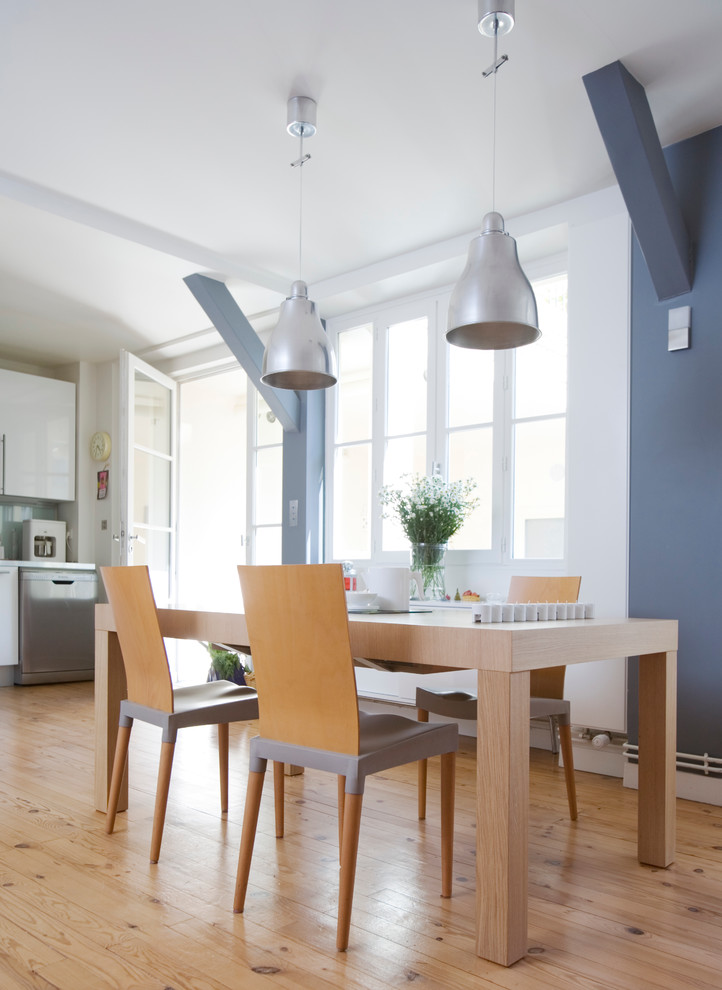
(148,472)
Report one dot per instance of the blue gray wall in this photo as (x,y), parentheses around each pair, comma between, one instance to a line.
(676,455)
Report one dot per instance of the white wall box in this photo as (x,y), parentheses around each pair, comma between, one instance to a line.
(37,433)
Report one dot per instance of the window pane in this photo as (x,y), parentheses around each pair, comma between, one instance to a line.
(151,420)
(352,502)
(268,545)
(268,429)
(212,471)
(470,456)
(406,381)
(471,386)
(539,489)
(269,462)
(355,354)
(541,369)
(407,455)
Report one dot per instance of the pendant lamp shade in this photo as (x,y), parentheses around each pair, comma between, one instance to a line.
(493,306)
(298,354)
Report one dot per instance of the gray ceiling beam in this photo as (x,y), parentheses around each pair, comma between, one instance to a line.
(229,320)
(625,120)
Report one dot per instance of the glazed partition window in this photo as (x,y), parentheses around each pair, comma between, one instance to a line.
(408,403)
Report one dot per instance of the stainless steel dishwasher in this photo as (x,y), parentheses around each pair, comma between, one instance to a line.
(56,629)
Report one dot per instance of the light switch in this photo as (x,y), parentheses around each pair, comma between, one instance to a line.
(678,326)
(293,512)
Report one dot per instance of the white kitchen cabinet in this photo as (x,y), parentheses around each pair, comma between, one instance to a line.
(37,437)
(8,615)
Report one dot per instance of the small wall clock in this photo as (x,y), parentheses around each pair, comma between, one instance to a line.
(100,446)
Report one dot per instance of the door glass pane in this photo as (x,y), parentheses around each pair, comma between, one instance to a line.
(470,456)
(152,420)
(406,381)
(471,386)
(269,485)
(355,353)
(405,455)
(268,545)
(153,548)
(268,429)
(539,484)
(352,502)
(541,369)
(151,489)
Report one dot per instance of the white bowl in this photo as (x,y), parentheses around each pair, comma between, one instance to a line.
(360,599)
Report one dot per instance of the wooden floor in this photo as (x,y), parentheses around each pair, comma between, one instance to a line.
(80,910)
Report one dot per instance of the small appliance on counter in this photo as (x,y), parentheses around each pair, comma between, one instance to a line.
(44,539)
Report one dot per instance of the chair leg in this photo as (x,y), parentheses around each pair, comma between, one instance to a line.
(553,733)
(349,850)
(248,836)
(423,716)
(223,763)
(341,783)
(161,798)
(278,795)
(119,760)
(448,787)
(565,741)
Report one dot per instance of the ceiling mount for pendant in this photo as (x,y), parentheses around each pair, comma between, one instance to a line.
(301,116)
(496,17)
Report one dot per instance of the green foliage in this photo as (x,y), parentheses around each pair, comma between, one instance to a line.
(225,662)
(430,510)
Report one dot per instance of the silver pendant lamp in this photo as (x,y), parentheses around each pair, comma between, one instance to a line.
(492,306)
(298,354)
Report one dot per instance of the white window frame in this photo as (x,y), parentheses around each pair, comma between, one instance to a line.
(434,306)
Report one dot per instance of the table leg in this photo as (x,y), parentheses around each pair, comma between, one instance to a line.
(657,758)
(502,815)
(110,689)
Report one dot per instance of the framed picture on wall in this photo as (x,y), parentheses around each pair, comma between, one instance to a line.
(102,484)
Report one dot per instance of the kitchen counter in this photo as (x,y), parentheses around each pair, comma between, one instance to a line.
(48,565)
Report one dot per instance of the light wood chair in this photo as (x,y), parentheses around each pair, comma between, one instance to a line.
(546,686)
(152,697)
(309,716)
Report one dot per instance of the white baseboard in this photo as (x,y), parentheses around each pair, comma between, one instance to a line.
(690,786)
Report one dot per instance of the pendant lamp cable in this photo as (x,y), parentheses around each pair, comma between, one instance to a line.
(492,70)
(493,124)
(299,163)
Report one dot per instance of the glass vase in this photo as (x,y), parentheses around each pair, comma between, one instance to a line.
(428,560)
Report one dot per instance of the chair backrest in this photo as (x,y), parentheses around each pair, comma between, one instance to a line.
(547,683)
(298,632)
(136,621)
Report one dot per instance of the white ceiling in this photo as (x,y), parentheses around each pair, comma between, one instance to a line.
(145,141)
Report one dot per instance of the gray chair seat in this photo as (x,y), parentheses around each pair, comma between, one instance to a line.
(385,741)
(214,703)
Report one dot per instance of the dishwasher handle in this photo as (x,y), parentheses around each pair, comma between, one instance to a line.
(62,581)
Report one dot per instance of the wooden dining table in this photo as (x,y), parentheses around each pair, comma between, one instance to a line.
(503,654)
